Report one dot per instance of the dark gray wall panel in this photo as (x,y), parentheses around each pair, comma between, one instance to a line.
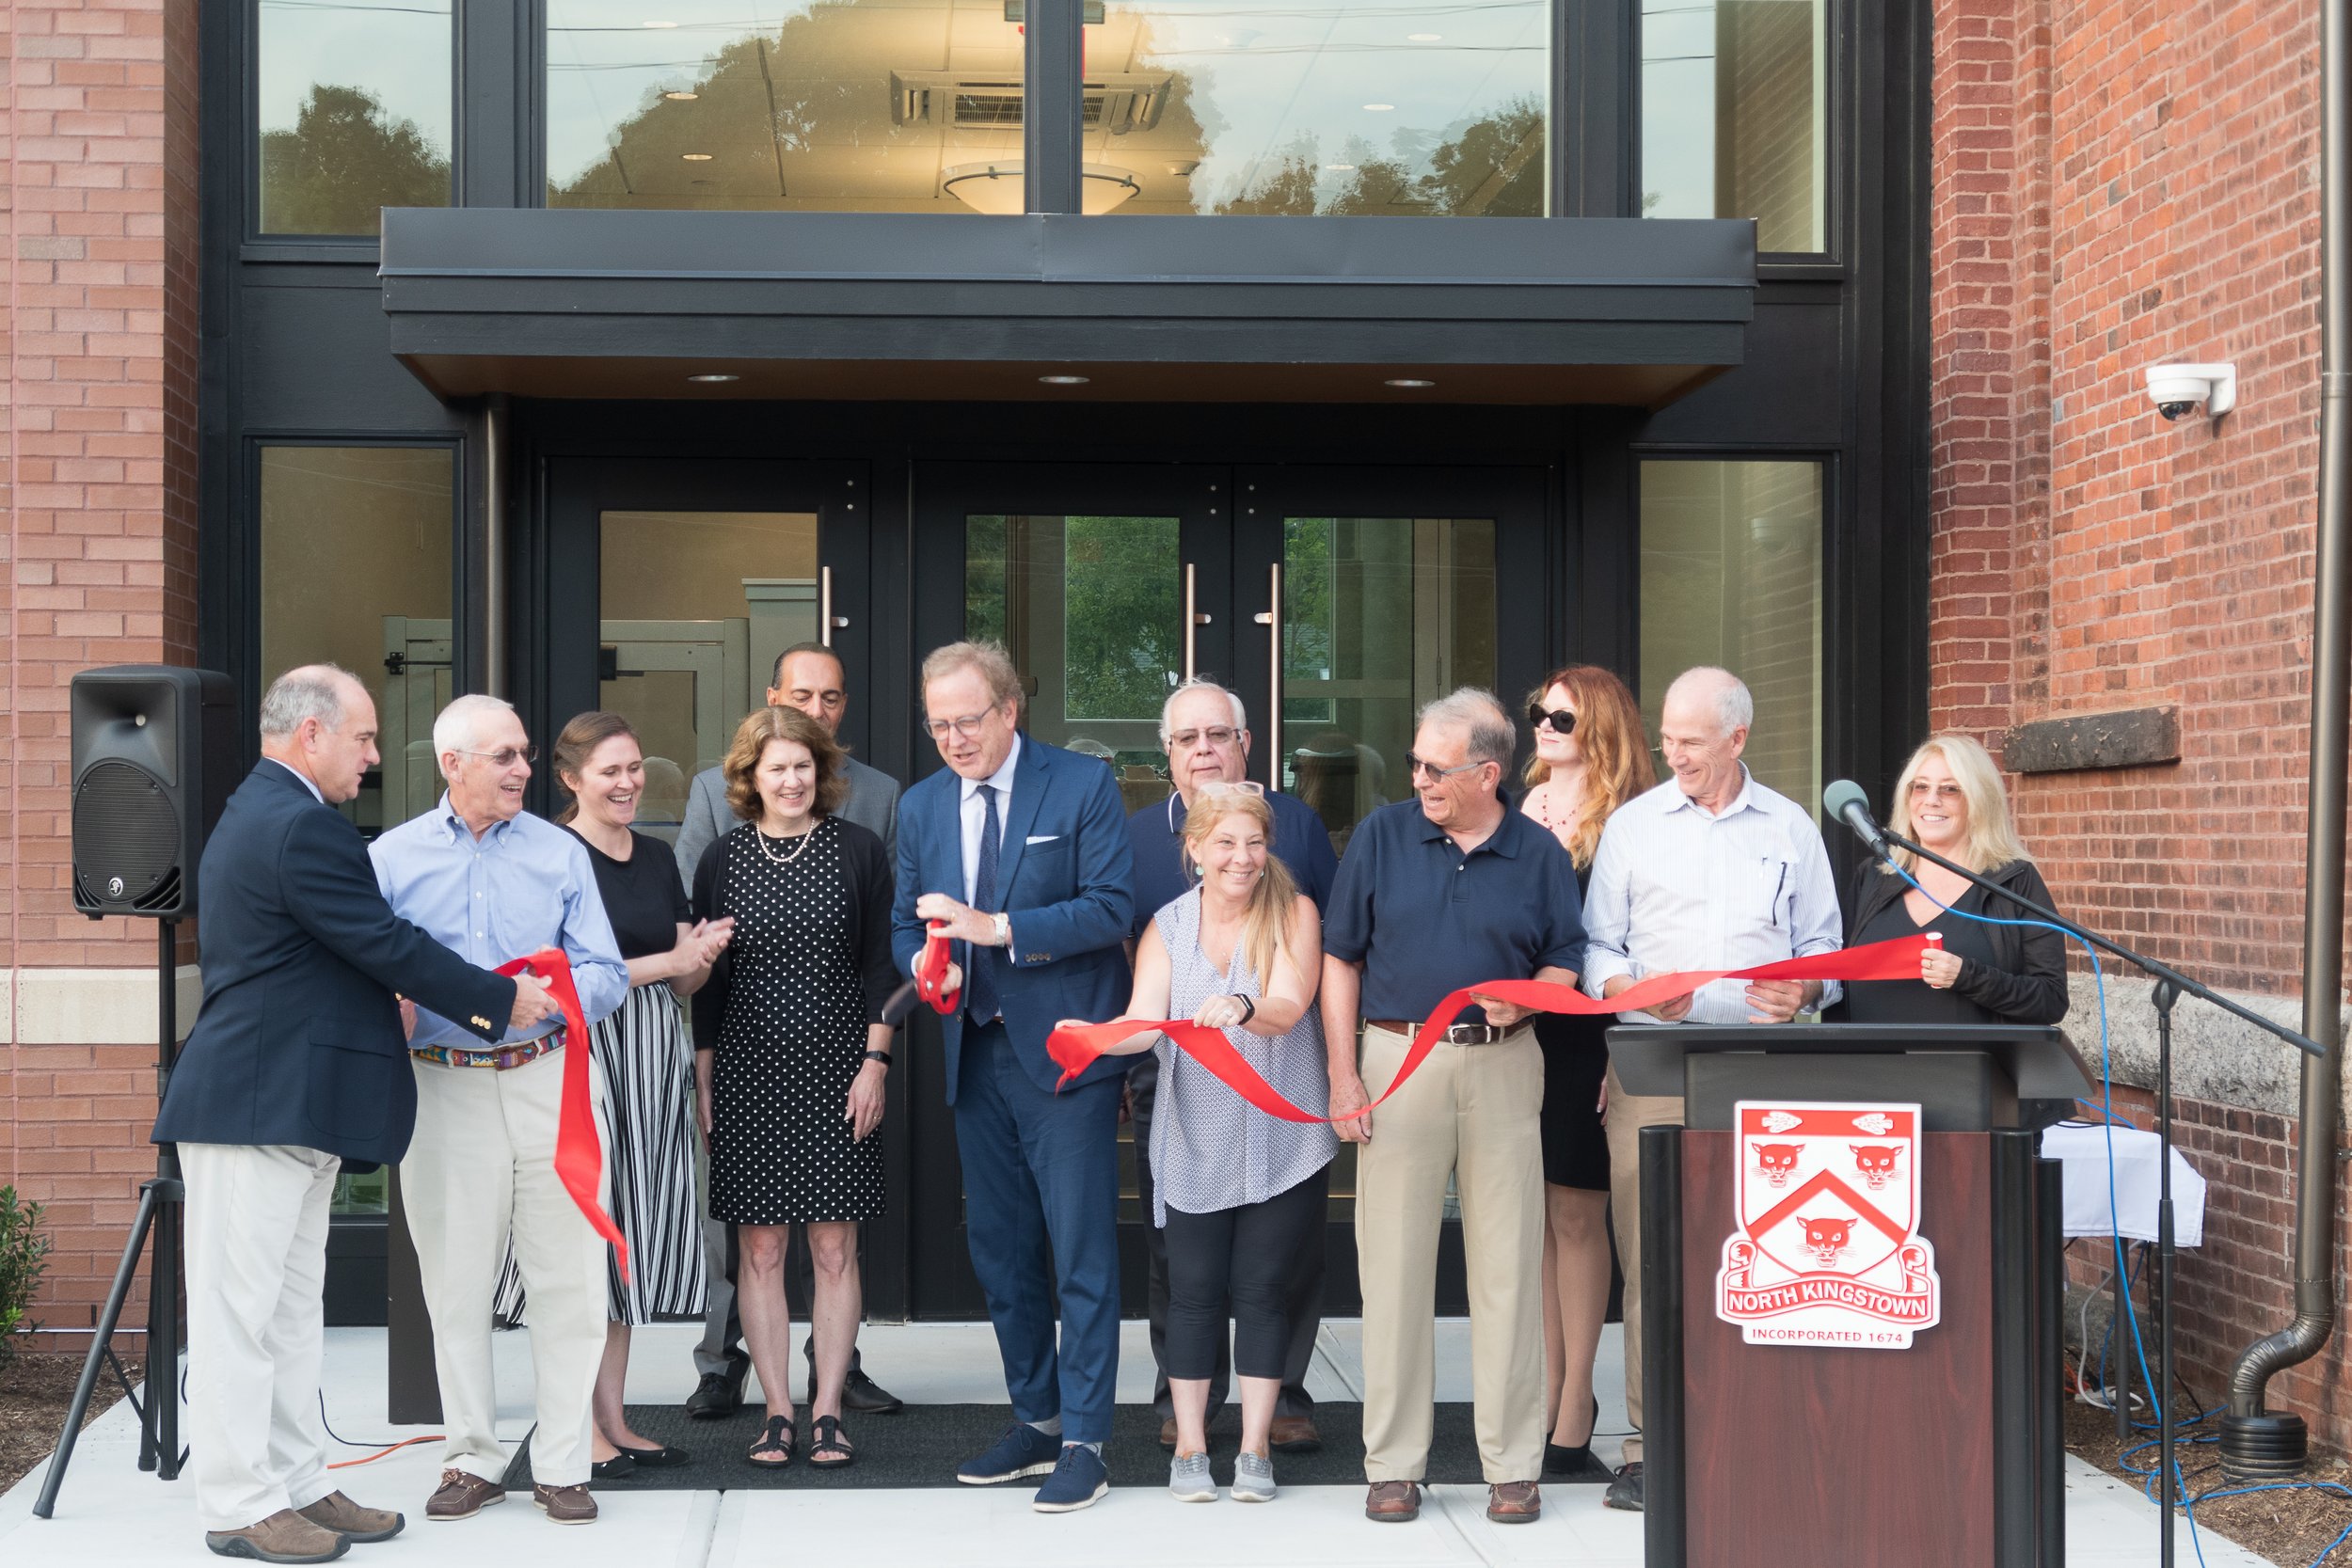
(319,358)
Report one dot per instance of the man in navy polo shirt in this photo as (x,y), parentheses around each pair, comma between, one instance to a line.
(1207,735)
(1439,893)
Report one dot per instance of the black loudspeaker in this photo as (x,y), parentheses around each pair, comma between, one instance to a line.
(155,754)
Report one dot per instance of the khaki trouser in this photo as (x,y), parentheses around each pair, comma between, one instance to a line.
(257,1219)
(1471,1113)
(481,1165)
(1628,1114)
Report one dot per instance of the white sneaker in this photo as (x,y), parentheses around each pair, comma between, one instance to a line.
(1189,1479)
(1254,1477)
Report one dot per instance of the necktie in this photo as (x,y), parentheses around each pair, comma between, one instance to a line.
(980,989)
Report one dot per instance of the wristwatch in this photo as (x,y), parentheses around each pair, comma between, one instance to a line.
(1004,929)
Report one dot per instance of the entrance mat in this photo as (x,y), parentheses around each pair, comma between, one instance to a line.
(923,1443)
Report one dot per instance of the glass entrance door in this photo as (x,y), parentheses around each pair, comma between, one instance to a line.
(1336,602)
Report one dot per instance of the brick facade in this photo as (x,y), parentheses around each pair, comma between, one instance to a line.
(101,324)
(2120,184)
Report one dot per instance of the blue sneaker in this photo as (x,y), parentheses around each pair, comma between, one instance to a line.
(1023,1450)
(1078,1482)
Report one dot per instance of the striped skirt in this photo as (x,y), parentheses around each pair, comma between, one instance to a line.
(646,1062)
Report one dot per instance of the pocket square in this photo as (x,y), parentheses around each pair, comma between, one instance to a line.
(1045,838)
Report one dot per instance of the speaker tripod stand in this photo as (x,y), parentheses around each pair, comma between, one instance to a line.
(157,1233)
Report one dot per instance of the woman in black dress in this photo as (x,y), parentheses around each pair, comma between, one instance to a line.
(1949,800)
(645,1064)
(1591,758)
(792,1052)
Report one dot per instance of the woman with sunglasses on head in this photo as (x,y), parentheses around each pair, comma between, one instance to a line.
(1949,800)
(1591,758)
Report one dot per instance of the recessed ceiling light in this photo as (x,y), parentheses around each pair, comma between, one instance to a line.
(695,157)
(1340,168)
(1407,381)
(1065,380)
(713,377)
(1425,38)
(681,97)
(1379,108)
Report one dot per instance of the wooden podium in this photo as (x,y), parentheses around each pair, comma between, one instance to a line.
(1944,1454)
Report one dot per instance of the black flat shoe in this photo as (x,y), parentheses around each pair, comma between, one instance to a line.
(616,1468)
(654,1457)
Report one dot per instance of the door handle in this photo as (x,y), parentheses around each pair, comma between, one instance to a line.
(827,621)
(1194,619)
(1272,619)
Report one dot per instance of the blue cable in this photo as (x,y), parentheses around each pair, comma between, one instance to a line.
(2158,1400)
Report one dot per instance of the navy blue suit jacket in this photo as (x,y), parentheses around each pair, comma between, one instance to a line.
(298,1040)
(1065,877)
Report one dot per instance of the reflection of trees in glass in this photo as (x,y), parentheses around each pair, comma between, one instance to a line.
(985,618)
(1308,630)
(345,160)
(1489,168)
(1120,615)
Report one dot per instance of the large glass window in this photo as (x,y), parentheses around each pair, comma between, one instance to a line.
(355,112)
(1423,108)
(1735,115)
(815,106)
(1731,576)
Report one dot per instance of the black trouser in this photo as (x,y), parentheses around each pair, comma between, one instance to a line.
(1242,1254)
(1305,1311)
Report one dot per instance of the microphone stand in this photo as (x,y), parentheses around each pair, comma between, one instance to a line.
(2170,985)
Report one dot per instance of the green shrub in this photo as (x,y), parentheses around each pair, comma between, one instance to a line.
(23,1253)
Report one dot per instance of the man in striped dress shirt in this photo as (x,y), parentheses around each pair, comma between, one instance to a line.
(1710,870)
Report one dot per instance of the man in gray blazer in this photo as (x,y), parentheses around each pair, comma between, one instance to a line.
(808,676)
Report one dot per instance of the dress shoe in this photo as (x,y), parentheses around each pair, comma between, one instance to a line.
(720,1394)
(655,1458)
(614,1469)
(1514,1503)
(1625,1491)
(859,1395)
(1293,1435)
(565,1505)
(346,1518)
(285,1536)
(462,1495)
(1393,1502)
(1167,1432)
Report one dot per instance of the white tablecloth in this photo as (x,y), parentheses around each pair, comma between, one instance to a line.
(2084,1152)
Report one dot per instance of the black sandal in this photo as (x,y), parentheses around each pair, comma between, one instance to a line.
(829,1452)
(775,1439)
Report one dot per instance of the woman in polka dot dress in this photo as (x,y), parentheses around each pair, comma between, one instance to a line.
(792,1052)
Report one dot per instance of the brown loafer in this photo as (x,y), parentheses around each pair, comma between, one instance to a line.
(1293,1435)
(566,1505)
(1393,1502)
(1167,1432)
(285,1536)
(1514,1503)
(462,1495)
(346,1518)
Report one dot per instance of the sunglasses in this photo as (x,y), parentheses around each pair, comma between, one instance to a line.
(1563,721)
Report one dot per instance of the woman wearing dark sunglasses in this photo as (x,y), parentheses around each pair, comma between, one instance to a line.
(1591,758)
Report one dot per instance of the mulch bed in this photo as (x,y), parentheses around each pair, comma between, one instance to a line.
(35,1391)
(2291,1528)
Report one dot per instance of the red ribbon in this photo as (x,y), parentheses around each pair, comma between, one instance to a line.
(1076,1049)
(930,970)
(578,1157)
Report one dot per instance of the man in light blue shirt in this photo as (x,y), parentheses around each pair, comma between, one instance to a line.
(492,882)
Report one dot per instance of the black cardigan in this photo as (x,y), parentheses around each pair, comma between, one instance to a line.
(872,886)
(2025,983)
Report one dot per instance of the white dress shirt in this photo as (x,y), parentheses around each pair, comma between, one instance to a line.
(303,778)
(1675,888)
(975,814)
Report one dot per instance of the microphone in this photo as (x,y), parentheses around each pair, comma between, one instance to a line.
(1845,801)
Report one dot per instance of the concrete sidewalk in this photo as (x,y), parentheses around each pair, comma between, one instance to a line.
(111,1515)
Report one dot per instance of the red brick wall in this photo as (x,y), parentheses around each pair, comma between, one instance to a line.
(99,466)
(2119,183)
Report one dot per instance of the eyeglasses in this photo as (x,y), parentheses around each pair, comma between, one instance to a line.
(1415,768)
(967,726)
(1215,734)
(505,756)
(1562,720)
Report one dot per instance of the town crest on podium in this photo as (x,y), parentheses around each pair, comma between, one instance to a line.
(1828,1251)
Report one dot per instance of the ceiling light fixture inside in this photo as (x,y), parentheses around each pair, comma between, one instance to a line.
(681,97)
(996,188)
(1379,108)
(1425,38)
(695,157)
(657,25)
(1341,168)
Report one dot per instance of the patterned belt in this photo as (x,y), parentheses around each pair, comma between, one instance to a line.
(1455,1034)
(505,1057)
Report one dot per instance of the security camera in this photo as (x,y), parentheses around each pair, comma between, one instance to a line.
(2176,389)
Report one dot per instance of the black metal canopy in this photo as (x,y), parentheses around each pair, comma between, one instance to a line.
(838,305)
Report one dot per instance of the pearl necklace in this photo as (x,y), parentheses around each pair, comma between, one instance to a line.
(799,849)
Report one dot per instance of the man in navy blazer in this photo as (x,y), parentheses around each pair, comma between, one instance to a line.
(1020,849)
(296,1066)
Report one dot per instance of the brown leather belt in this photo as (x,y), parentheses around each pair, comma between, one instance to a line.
(505,1057)
(1455,1034)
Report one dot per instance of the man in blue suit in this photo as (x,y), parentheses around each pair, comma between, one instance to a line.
(297,1069)
(1020,850)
